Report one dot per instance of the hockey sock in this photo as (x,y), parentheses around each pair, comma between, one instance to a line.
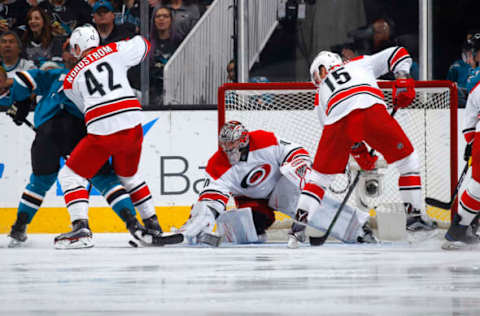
(34,193)
(410,188)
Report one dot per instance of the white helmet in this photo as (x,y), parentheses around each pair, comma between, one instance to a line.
(326,59)
(85,36)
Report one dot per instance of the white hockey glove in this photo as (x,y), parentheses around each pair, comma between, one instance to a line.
(297,171)
(202,220)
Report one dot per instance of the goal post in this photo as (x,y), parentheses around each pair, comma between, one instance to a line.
(286,108)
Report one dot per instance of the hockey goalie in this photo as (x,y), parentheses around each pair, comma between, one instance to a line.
(262,174)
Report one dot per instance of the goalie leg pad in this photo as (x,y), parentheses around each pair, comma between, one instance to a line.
(236,226)
(284,197)
(349,223)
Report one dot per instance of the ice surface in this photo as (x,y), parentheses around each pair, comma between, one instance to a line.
(336,279)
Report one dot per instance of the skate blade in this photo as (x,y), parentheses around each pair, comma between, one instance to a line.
(78,243)
(458,245)
(14,243)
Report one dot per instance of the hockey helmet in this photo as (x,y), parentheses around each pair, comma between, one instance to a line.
(233,140)
(326,59)
(85,36)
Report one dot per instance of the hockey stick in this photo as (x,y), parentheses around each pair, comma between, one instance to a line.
(318,241)
(448,205)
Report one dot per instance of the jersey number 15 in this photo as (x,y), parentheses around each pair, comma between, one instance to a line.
(340,76)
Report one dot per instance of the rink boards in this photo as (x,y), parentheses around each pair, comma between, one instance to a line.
(177,145)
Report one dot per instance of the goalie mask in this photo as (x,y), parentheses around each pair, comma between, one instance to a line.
(233,139)
(326,59)
(85,37)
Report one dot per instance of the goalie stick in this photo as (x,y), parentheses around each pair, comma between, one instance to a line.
(448,205)
(318,241)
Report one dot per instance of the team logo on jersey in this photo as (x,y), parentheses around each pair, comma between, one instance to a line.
(256,176)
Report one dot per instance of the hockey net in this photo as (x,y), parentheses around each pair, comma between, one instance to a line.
(430,123)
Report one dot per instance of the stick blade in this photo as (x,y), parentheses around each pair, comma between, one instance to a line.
(437,203)
(318,241)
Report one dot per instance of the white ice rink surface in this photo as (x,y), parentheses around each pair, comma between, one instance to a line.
(114,279)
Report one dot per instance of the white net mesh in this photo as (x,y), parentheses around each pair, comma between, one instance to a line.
(288,113)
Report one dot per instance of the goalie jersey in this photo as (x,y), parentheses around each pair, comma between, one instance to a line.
(99,86)
(255,175)
(353,85)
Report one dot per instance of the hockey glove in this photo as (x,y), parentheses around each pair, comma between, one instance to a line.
(297,170)
(362,156)
(19,111)
(468,151)
(403,92)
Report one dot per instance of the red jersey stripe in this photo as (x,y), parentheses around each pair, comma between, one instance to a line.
(296,153)
(140,194)
(470,202)
(314,189)
(81,194)
(110,108)
(407,181)
(339,97)
(213,196)
(397,55)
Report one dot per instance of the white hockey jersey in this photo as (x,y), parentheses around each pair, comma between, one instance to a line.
(353,85)
(254,177)
(98,85)
(471,117)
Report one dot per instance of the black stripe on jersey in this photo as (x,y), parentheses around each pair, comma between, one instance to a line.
(391,57)
(399,61)
(352,95)
(214,191)
(23,77)
(467,209)
(409,189)
(313,196)
(137,187)
(73,189)
(111,101)
(290,153)
(472,129)
(111,114)
(348,88)
(111,197)
(31,199)
(77,201)
(143,201)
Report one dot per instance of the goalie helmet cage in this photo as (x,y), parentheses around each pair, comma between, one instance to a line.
(430,123)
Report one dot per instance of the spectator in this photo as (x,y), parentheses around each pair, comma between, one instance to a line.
(39,43)
(66,15)
(164,43)
(231,74)
(127,11)
(104,20)
(185,14)
(10,51)
(12,15)
(460,70)
(474,76)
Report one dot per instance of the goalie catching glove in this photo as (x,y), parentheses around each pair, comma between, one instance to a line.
(403,92)
(18,111)
(362,156)
(297,170)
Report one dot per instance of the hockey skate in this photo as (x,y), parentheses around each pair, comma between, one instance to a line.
(18,235)
(367,236)
(79,237)
(152,223)
(296,235)
(418,222)
(460,236)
